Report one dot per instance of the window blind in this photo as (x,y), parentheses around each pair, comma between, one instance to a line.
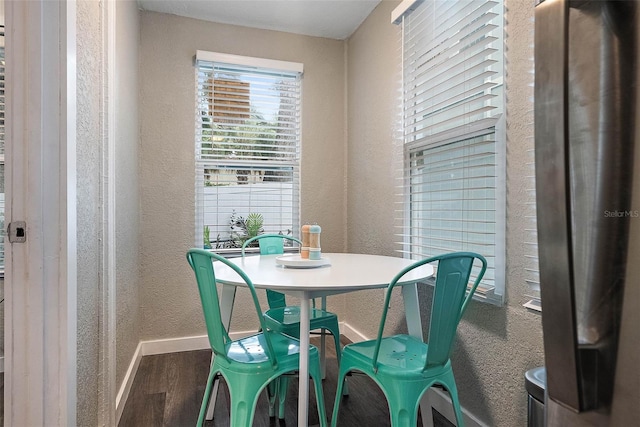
(247,151)
(532,275)
(454,173)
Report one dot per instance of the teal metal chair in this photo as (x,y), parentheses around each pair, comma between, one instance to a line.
(250,364)
(285,319)
(405,367)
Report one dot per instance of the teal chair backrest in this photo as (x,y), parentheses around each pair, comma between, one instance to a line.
(201,261)
(272,244)
(450,299)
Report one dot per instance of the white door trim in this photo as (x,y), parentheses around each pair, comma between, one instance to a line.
(41,274)
(107,383)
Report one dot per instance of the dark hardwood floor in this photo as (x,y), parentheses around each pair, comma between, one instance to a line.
(168,390)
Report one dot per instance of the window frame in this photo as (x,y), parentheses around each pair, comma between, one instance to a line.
(492,294)
(292,71)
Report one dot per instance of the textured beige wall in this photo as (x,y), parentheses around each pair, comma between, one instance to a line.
(495,345)
(498,345)
(89,151)
(374,64)
(127,194)
(90,146)
(168,296)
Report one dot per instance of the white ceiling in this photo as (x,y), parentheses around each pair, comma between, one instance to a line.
(335,19)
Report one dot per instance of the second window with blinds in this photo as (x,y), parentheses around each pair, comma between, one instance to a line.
(454,155)
(247,148)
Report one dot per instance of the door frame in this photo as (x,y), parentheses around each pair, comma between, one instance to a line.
(41,274)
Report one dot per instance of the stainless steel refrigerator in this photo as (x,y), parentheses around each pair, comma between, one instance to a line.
(588,208)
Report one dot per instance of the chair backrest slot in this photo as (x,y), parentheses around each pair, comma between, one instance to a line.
(272,244)
(205,278)
(449,294)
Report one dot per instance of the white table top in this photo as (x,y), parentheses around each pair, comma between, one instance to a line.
(347,273)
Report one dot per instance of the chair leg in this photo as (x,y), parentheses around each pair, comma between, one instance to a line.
(449,382)
(323,353)
(336,340)
(272,396)
(456,407)
(316,375)
(336,405)
(205,398)
(283,387)
(403,408)
(243,404)
(214,393)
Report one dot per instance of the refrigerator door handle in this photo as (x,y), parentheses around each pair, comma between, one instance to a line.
(553,215)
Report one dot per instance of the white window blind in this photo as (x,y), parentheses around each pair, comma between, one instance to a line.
(247,148)
(454,173)
(532,274)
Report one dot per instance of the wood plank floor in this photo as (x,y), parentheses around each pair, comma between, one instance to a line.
(168,389)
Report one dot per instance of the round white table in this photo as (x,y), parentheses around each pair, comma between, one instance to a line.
(346,273)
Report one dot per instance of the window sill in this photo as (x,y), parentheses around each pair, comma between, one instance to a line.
(237,252)
(533,305)
(483,294)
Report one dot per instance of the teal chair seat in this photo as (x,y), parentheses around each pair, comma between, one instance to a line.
(246,354)
(405,367)
(400,355)
(248,365)
(285,319)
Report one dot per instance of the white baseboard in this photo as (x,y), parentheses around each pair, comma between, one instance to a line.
(352,334)
(127,382)
(169,345)
(174,345)
(437,399)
